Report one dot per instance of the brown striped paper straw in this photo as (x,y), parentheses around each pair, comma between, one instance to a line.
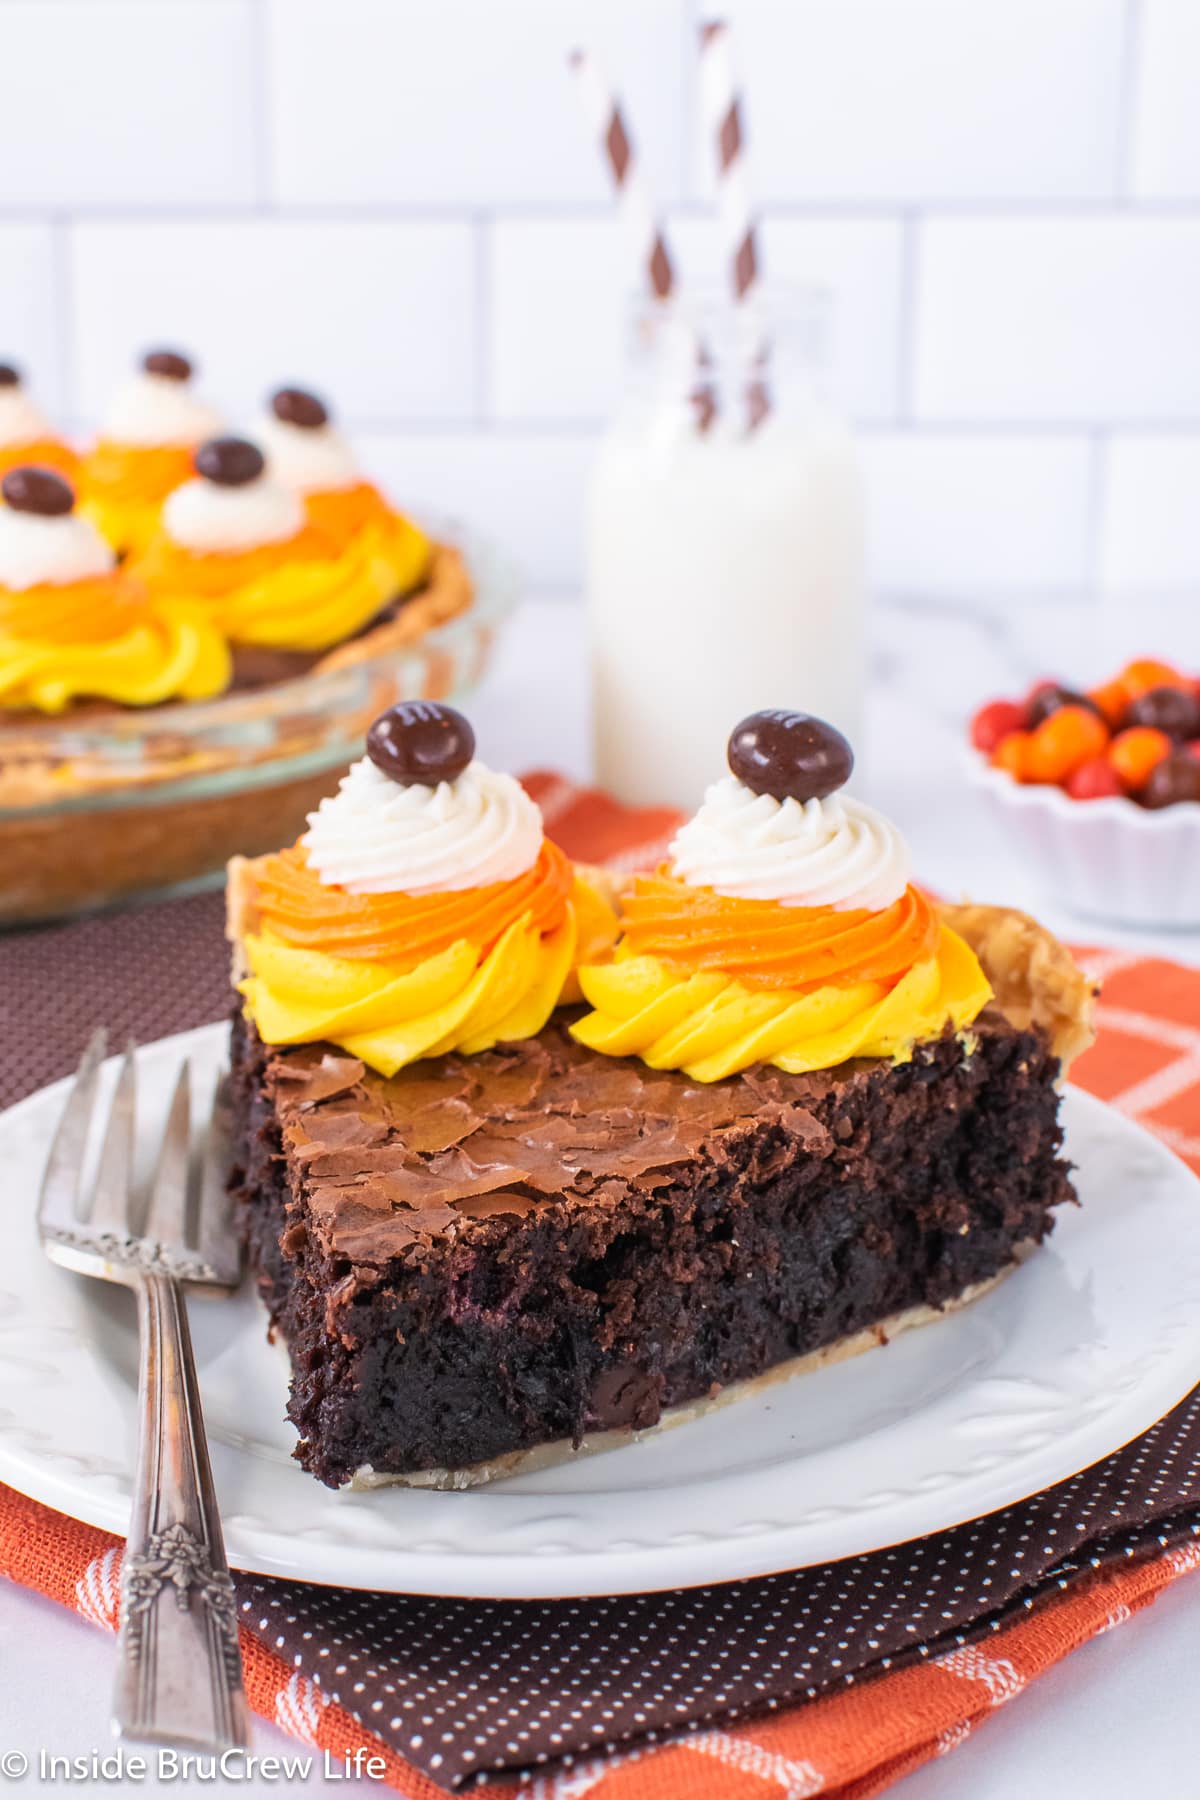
(739,226)
(643,225)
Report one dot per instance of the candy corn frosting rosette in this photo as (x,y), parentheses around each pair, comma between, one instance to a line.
(784,928)
(423,911)
(145,448)
(73,627)
(239,543)
(26,436)
(306,453)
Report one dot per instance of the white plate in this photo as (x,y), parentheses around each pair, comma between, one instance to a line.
(1081,1349)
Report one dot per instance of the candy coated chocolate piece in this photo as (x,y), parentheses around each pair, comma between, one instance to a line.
(10,375)
(39,491)
(1175,778)
(1170,709)
(229,461)
(790,755)
(170,364)
(421,742)
(296,406)
(1047,699)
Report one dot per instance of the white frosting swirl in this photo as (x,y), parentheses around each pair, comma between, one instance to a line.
(375,837)
(153,409)
(202,516)
(36,550)
(307,461)
(20,420)
(835,852)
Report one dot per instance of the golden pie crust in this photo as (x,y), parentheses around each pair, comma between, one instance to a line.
(1035,978)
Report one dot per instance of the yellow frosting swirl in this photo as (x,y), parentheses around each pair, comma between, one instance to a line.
(710,1025)
(128,525)
(311,604)
(146,654)
(390,1014)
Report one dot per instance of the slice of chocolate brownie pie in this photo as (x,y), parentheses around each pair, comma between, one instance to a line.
(806,1109)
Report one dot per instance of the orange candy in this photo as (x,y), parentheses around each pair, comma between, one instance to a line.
(1134,753)
(1112,697)
(1010,754)
(1144,673)
(1062,742)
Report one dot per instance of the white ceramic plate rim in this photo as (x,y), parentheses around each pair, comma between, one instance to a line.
(1082,1349)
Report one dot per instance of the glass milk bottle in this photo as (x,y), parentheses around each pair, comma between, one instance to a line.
(724,563)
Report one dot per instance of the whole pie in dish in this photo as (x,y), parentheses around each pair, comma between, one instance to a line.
(801,1108)
(227,637)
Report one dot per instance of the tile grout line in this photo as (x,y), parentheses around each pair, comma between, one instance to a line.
(482,296)
(63,278)
(906,318)
(262,76)
(1096,506)
(879,211)
(1132,50)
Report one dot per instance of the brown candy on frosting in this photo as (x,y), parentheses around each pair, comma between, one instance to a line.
(10,375)
(170,364)
(296,406)
(229,461)
(421,742)
(790,755)
(38,491)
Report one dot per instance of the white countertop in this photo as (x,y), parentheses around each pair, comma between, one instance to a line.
(1119,1716)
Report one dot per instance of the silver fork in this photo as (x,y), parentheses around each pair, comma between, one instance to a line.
(179,1670)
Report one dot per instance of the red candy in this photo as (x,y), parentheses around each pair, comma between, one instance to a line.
(994,722)
(1095,780)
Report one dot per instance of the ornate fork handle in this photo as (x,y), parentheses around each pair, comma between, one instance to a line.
(179,1673)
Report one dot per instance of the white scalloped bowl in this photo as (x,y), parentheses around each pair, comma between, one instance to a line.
(1107,859)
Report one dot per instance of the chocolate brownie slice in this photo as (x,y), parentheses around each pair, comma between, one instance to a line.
(488,1255)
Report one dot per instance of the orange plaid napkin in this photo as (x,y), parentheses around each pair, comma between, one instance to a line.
(849,1743)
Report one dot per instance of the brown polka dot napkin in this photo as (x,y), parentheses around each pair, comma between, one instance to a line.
(462,1688)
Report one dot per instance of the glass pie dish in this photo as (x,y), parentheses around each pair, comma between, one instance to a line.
(100,809)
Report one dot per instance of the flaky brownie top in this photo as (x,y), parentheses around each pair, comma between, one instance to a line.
(388,1165)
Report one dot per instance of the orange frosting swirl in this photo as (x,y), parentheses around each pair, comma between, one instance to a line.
(73,612)
(42,453)
(123,473)
(767,945)
(341,513)
(166,567)
(391,928)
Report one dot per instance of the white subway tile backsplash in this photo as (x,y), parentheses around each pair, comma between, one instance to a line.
(929,99)
(1058,319)
(130,103)
(407,103)
(560,287)
(398,202)
(525,491)
(957,516)
(29,334)
(1151,534)
(380,316)
(1166,136)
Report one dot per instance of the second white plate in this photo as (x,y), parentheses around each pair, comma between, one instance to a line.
(1083,1348)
